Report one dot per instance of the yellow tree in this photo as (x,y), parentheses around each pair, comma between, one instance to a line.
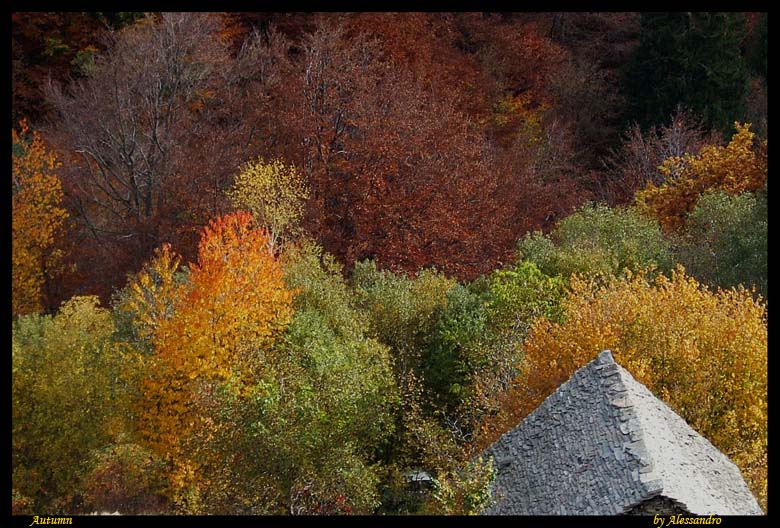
(37,219)
(234,307)
(738,167)
(275,193)
(150,297)
(704,353)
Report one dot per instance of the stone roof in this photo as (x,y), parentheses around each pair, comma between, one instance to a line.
(602,444)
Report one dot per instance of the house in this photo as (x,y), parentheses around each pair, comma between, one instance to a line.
(602,444)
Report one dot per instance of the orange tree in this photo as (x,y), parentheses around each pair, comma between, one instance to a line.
(702,352)
(37,218)
(738,167)
(235,303)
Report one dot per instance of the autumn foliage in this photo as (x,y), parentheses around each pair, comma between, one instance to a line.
(275,193)
(151,297)
(235,303)
(80,407)
(276,263)
(38,219)
(738,167)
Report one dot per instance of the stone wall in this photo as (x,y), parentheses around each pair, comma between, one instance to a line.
(658,505)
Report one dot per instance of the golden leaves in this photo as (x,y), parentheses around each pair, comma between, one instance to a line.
(738,167)
(37,218)
(275,193)
(154,292)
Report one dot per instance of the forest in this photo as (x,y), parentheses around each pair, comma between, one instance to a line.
(280,263)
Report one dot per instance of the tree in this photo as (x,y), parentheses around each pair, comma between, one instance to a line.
(587,94)
(127,137)
(438,48)
(425,187)
(235,305)
(324,399)
(520,294)
(138,134)
(598,240)
(328,80)
(704,353)
(474,352)
(69,382)
(37,220)
(689,59)
(402,310)
(723,242)
(400,167)
(402,313)
(460,345)
(756,52)
(150,298)
(638,160)
(738,167)
(582,95)
(375,146)
(454,353)
(275,194)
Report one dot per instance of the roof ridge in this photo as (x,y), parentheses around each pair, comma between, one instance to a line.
(652,412)
(618,395)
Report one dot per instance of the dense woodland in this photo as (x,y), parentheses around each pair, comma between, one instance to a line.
(276,263)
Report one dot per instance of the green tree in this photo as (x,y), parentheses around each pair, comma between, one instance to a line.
(455,348)
(598,240)
(460,344)
(402,310)
(68,399)
(724,240)
(485,326)
(305,435)
(688,59)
